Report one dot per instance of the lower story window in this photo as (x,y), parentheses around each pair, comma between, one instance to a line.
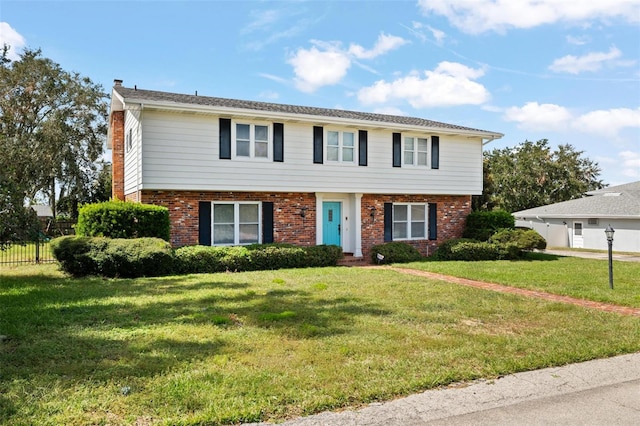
(236,223)
(409,221)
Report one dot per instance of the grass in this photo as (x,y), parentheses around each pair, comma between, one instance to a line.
(570,276)
(232,348)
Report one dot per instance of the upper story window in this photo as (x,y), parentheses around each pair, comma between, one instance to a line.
(415,151)
(252,140)
(409,221)
(340,146)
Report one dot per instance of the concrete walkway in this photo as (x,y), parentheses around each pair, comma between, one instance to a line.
(594,255)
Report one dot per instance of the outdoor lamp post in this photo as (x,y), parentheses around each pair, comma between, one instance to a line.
(609,233)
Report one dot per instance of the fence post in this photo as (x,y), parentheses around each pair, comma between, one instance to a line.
(37,248)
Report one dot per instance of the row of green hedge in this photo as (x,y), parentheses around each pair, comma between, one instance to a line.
(128,258)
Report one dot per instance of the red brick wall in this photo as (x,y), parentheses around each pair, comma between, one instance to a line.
(290,227)
(451,214)
(117,153)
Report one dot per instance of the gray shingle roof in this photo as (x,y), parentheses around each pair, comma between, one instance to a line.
(619,201)
(133,95)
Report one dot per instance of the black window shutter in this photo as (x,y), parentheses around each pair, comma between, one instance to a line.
(435,152)
(397,150)
(225,139)
(267,222)
(317,144)
(204,223)
(362,147)
(388,222)
(278,142)
(433,221)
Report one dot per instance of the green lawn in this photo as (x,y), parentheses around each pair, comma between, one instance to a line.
(570,276)
(229,348)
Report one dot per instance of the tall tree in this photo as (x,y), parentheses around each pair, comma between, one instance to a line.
(532,174)
(53,127)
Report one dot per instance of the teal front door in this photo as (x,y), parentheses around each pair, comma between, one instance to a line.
(331,223)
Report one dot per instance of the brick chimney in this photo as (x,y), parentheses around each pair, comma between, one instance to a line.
(117,151)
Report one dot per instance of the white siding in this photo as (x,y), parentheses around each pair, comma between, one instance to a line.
(132,176)
(180,152)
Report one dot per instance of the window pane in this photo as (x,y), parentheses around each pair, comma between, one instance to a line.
(242,132)
(347,154)
(248,213)
(332,138)
(408,157)
(399,231)
(248,234)
(262,133)
(223,213)
(422,158)
(417,229)
(422,145)
(347,139)
(417,212)
(242,148)
(399,213)
(223,234)
(332,153)
(408,144)
(262,149)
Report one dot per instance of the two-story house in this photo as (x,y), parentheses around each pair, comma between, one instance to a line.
(238,172)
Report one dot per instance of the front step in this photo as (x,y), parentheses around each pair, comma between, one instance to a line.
(349,260)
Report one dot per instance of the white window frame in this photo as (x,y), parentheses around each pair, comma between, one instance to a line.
(128,140)
(236,222)
(252,140)
(341,146)
(415,151)
(410,222)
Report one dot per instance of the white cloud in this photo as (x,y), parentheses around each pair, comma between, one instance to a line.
(315,68)
(578,41)
(630,164)
(608,122)
(499,15)
(449,84)
(535,116)
(593,61)
(541,117)
(384,44)
(12,38)
(326,63)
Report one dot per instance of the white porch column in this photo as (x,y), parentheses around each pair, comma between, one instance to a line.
(358,224)
(318,219)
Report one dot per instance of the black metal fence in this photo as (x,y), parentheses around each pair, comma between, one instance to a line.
(27,252)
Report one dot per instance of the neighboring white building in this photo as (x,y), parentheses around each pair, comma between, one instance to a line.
(581,223)
(239,172)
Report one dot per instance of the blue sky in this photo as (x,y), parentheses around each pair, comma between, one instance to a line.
(563,70)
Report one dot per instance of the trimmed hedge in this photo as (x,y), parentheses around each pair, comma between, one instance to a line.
(81,256)
(473,250)
(127,258)
(395,252)
(200,259)
(481,225)
(525,239)
(119,219)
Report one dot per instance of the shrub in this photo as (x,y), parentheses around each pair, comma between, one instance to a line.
(206,259)
(395,252)
(80,256)
(481,225)
(524,239)
(118,219)
(472,250)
